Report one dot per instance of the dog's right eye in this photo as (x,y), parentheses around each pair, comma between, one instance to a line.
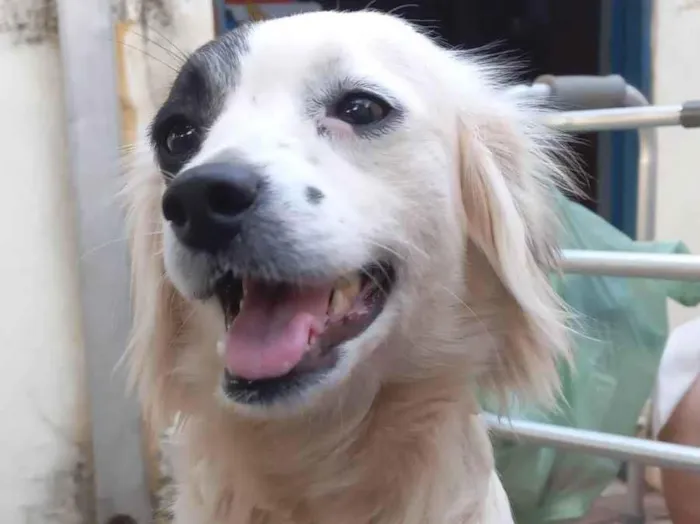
(178,139)
(182,139)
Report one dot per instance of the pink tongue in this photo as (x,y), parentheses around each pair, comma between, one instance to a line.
(270,334)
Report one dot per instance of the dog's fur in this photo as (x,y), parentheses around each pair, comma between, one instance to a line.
(458,189)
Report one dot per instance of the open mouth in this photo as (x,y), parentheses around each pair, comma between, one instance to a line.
(280,335)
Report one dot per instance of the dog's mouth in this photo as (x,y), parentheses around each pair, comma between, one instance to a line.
(281,335)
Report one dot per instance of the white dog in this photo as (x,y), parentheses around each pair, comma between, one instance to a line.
(353,228)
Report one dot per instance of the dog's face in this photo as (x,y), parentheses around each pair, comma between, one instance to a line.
(321,178)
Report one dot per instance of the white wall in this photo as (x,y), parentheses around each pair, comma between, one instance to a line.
(41,411)
(676,67)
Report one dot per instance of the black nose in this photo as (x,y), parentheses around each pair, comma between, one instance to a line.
(205,204)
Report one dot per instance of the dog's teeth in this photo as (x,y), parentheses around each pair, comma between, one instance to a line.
(340,303)
(344,294)
(220,348)
(349,283)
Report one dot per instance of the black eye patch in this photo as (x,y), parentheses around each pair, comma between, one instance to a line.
(196,99)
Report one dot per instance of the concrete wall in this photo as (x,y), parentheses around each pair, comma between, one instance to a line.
(41,391)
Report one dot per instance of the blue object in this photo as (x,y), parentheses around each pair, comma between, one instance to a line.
(630,57)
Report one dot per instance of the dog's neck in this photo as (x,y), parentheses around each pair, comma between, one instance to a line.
(379,463)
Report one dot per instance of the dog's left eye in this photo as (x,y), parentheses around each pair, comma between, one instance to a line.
(361,109)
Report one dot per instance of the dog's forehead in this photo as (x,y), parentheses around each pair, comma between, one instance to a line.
(314,33)
(303,45)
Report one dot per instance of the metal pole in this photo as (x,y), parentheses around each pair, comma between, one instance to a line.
(615,119)
(628,264)
(529,91)
(646,230)
(646,171)
(90,87)
(649,452)
(636,485)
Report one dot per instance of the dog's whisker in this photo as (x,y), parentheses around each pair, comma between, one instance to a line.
(149,55)
(181,59)
(102,246)
(410,246)
(96,249)
(183,322)
(471,311)
(175,49)
(375,282)
(387,249)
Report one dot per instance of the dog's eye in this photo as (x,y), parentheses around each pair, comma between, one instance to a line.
(361,109)
(180,138)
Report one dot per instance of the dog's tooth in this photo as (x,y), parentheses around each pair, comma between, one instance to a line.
(220,348)
(345,292)
(340,303)
(349,284)
(312,339)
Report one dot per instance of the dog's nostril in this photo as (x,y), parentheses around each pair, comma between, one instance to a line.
(205,205)
(227,200)
(174,211)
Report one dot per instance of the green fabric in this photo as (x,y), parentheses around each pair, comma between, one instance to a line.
(623,325)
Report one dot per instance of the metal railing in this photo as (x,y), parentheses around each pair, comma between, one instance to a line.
(632,112)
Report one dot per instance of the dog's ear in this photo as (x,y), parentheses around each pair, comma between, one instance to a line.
(508,179)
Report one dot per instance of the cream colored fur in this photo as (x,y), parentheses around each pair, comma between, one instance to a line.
(398,439)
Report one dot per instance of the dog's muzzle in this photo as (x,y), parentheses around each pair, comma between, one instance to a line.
(286,314)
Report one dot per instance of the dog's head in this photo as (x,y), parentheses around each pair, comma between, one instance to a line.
(339,200)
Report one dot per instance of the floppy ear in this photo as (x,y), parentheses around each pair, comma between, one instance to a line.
(508,179)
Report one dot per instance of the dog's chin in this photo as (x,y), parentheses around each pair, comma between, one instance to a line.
(287,343)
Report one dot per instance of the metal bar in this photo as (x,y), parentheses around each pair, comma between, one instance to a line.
(615,119)
(90,87)
(646,171)
(647,164)
(649,452)
(530,91)
(636,485)
(633,265)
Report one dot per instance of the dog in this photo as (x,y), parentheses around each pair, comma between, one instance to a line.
(342,231)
